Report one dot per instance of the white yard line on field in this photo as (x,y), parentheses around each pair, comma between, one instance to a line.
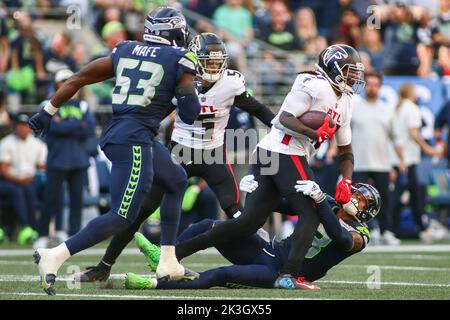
(408,284)
(31,278)
(386,267)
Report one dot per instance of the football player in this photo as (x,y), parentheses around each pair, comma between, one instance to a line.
(148,75)
(289,146)
(257,263)
(192,144)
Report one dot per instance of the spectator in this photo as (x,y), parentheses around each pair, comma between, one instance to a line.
(27,61)
(234,22)
(409,120)
(373,46)
(305,24)
(373,128)
(280,32)
(79,55)
(442,122)
(401,38)
(21,154)
(349,28)
(441,36)
(4,42)
(204,7)
(67,161)
(58,56)
(5,120)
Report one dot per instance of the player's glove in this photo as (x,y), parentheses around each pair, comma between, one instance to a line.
(325,132)
(311,189)
(343,191)
(40,122)
(248,184)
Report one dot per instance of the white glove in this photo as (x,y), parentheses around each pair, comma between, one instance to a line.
(248,184)
(311,189)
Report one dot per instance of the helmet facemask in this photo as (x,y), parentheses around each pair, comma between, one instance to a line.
(212,65)
(364,203)
(351,78)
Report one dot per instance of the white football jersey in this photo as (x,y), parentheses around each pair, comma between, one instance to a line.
(208,130)
(310,92)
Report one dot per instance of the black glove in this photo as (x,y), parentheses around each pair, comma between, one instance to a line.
(40,122)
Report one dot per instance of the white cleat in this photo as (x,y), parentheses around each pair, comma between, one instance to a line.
(48,268)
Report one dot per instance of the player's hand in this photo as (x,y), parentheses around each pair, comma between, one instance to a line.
(325,132)
(311,189)
(343,191)
(248,184)
(40,122)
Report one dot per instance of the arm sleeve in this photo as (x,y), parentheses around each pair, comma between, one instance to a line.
(254,107)
(335,231)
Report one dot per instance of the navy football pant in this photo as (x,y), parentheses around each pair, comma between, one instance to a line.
(169,183)
(131,178)
(220,179)
(252,259)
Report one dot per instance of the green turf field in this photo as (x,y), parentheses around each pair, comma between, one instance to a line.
(409,272)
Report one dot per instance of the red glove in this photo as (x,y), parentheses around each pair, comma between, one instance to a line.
(325,132)
(343,191)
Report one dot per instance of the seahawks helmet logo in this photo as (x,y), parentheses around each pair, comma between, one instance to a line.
(334,52)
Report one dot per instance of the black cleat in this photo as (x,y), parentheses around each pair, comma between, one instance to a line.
(99,272)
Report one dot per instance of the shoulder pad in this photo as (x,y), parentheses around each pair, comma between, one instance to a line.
(235,80)
(312,84)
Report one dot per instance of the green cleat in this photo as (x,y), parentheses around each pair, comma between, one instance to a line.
(133,281)
(27,235)
(151,252)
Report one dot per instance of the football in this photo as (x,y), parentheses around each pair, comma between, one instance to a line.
(314,119)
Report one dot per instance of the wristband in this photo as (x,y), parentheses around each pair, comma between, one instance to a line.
(50,109)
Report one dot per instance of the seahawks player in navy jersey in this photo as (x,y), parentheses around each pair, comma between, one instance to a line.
(220,89)
(148,75)
(257,262)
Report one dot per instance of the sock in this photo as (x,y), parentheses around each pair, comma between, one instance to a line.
(96,231)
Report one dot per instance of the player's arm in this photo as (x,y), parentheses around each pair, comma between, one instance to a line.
(95,71)
(248,103)
(328,218)
(187,98)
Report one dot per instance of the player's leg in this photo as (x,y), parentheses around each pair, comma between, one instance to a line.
(161,182)
(291,169)
(220,178)
(259,205)
(75,183)
(131,177)
(235,277)
(417,197)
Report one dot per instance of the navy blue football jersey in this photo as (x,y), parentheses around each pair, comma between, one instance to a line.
(146,77)
(323,254)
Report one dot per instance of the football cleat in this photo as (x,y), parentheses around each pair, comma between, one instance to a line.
(99,272)
(48,278)
(133,281)
(27,235)
(286,281)
(150,251)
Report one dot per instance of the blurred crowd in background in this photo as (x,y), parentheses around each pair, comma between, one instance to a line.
(42,42)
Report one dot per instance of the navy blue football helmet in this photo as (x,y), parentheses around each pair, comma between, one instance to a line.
(365,202)
(342,66)
(166,25)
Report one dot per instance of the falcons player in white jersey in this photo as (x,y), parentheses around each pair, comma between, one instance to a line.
(220,89)
(329,89)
